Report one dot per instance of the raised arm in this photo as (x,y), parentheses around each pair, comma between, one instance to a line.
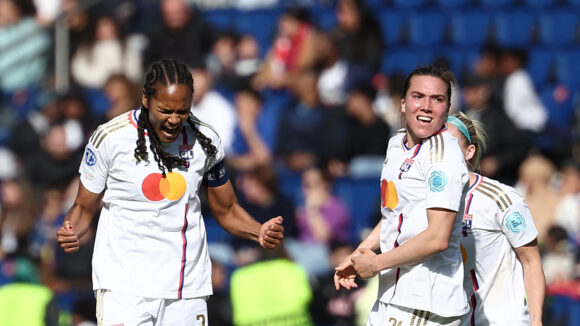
(78,219)
(234,219)
(434,239)
(534,280)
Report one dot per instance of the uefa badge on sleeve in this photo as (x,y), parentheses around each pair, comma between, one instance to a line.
(437,181)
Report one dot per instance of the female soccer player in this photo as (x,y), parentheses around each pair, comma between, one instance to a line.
(504,278)
(423,184)
(151,264)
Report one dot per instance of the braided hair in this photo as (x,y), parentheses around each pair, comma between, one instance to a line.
(166,72)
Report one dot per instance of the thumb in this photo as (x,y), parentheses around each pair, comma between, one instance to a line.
(67,225)
(279,220)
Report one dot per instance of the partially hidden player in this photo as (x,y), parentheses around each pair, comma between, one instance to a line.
(151,264)
(504,278)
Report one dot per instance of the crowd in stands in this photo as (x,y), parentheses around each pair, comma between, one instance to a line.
(304,95)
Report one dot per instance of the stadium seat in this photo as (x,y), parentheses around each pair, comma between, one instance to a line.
(514,28)
(558,101)
(541,65)
(427,28)
(452,3)
(567,68)
(262,24)
(324,19)
(470,27)
(222,19)
(455,57)
(393,26)
(410,3)
(540,4)
(400,60)
(362,196)
(495,4)
(558,27)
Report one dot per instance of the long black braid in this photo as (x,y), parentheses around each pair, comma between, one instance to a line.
(167,72)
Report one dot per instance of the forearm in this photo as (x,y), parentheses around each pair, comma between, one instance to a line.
(239,223)
(413,251)
(80,218)
(535,285)
(373,240)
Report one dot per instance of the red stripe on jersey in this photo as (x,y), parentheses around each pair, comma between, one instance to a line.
(399,229)
(183,255)
(473,305)
(474,280)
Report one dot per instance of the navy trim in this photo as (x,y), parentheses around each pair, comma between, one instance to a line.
(216,176)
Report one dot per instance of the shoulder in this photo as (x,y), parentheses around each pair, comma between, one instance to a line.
(115,125)
(497,193)
(442,147)
(397,138)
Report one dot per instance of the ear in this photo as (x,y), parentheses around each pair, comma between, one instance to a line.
(470,152)
(403,105)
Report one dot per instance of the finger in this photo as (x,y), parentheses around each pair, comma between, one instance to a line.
(274,235)
(276,227)
(279,220)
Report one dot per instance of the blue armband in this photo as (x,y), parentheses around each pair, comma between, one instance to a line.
(216,176)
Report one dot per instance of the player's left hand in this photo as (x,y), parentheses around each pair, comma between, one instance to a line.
(271,233)
(365,263)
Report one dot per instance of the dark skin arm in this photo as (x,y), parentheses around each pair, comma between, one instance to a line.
(78,219)
(234,219)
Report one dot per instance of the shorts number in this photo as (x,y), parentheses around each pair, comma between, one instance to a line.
(202,317)
(394,321)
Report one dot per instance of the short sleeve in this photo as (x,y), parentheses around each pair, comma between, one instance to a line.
(445,172)
(94,168)
(517,224)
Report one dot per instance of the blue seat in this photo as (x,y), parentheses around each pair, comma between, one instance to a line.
(452,3)
(393,26)
(540,4)
(540,65)
(427,28)
(324,19)
(261,23)
(454,56)
(559,27)
(496,4)
(514,28)
(410,3)
(399,60)
(220,18)
(470,27)
(567,68)
(362,197)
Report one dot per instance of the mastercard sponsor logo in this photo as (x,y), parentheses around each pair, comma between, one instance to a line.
(389,196)
(155,187)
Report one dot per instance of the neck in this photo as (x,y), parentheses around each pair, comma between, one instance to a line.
(472,178)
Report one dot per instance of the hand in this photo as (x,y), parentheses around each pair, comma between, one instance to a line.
(271,233)
(67,238)
(364,264)
(345,274)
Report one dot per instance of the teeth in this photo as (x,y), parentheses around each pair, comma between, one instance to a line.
(426,119)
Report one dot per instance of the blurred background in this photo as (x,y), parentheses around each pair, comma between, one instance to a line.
(304,95)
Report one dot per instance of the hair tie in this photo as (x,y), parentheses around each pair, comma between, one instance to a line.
(460,125)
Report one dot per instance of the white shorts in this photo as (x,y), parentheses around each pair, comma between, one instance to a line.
(119,309)
(392,315)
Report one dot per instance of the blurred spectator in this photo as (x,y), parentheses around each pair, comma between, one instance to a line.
(273,291)
(300,133)
(24,47)
(334,75)
(47,11)
(80,22)
(292,52)
(248,60)
(212,108)
(568,209)
(521,101)
(182,34)
(221,61)
(535,180)
(558,259)
(496,162)
(25,301)
(122,94)
(42,240)
(358,34)
(364,148)
(254,135)
(323,218)
(107,51)
(17,216)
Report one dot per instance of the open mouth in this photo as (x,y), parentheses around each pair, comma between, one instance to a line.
(424,119)
(170,132)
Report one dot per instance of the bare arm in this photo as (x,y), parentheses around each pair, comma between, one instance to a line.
(345,274)
(534,280)
(234,219)
(78,219)
(432,240)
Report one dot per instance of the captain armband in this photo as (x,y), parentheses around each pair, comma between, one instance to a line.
(216,176)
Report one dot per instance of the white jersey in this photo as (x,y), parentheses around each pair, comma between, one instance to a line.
(151,238)
(432,174)
(495,221)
